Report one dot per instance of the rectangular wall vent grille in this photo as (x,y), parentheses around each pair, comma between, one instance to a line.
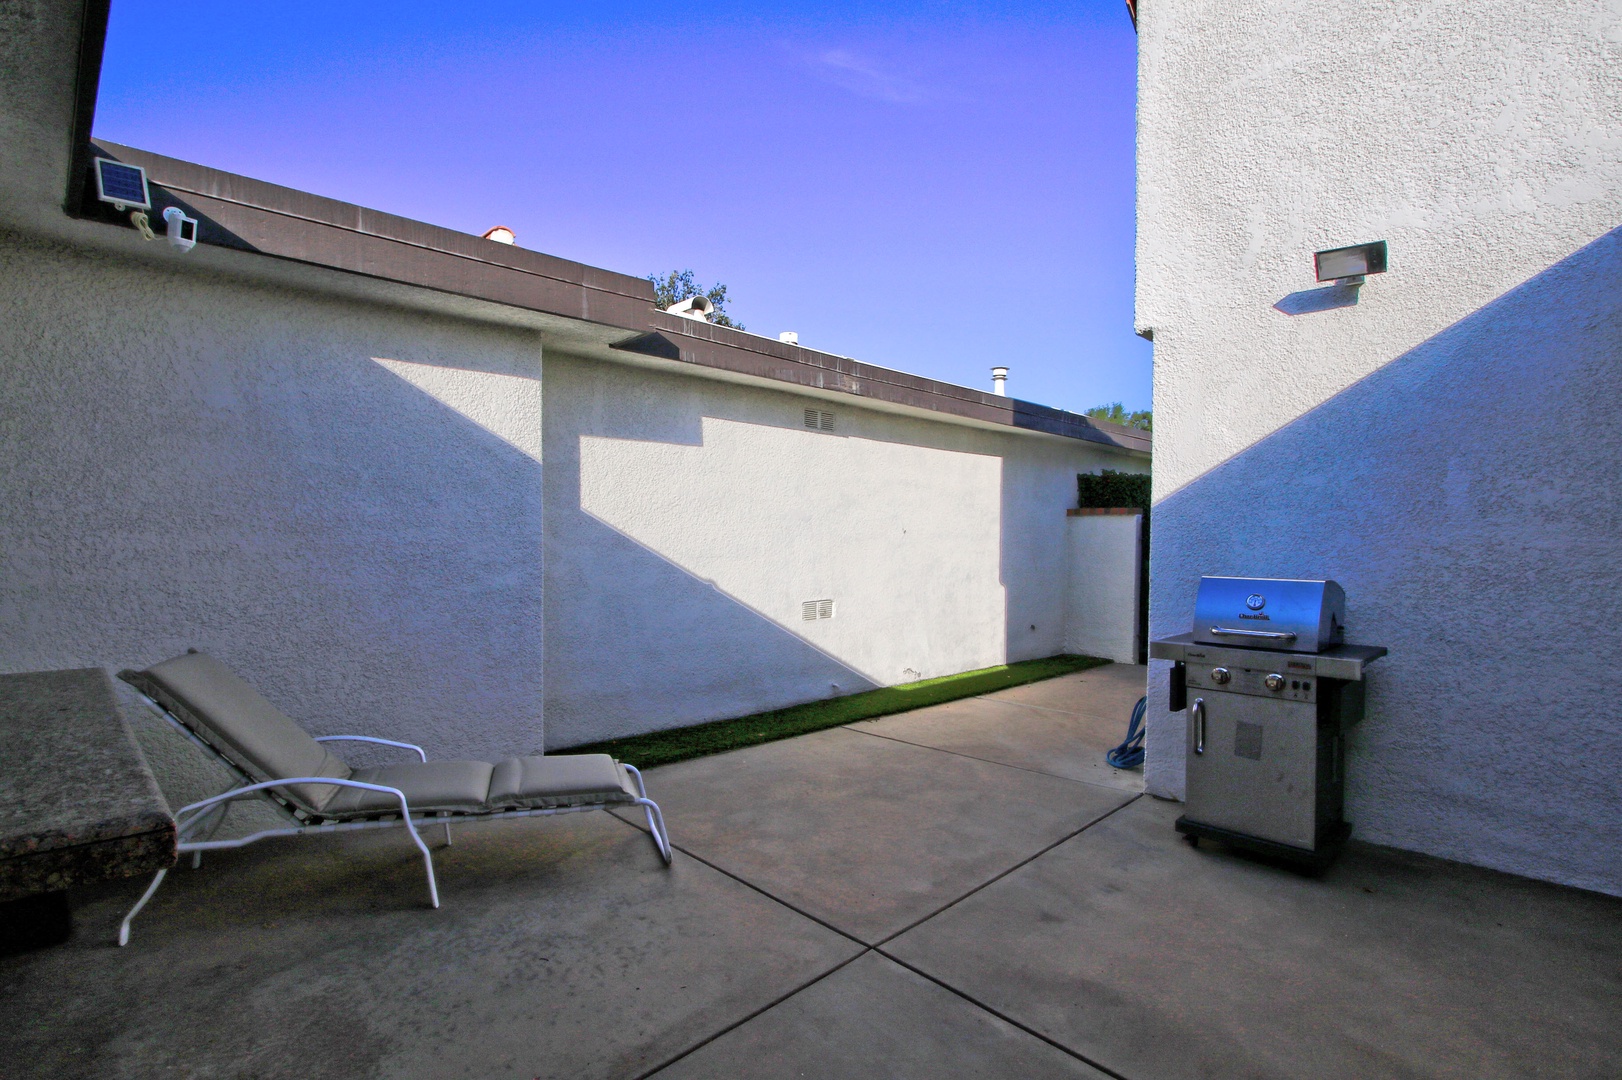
(812,610)
(817,420)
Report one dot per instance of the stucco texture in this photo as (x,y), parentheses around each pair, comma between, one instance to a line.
(688,521)
(1105,575)
(1444,441)
(289,482)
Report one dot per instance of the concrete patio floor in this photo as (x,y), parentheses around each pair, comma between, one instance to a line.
(961,891)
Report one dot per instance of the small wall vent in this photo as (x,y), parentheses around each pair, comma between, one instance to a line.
(817,420)
(812,610)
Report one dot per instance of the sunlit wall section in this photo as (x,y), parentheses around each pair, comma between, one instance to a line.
(1443,440)
(716,549)
(340,500)
(880,554)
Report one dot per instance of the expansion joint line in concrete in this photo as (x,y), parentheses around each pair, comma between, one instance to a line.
(768,1007)
(879,948)
(1070,713)
(1004,1017)
(998,877)
(988,761)
(751,885)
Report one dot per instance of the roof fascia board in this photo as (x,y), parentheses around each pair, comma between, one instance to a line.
(93,15)
(708,345)
(295,227)
(232,198)
(929,411)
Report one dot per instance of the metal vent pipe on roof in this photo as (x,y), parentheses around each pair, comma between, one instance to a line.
(694,307)
(999,381)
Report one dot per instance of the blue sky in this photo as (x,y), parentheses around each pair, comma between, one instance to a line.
(933,187)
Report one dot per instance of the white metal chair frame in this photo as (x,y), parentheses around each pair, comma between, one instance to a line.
(189,818)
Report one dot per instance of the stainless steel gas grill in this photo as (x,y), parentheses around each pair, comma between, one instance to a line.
(1270,687)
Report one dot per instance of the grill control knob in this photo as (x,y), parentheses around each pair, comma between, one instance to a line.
(1220,676)
(1274,682)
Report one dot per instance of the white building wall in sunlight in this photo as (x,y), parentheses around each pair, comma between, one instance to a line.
(341,500)
(1444,440)
(709,555)
(884,556)
(1106,573)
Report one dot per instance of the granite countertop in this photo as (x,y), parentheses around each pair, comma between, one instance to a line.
(77,800)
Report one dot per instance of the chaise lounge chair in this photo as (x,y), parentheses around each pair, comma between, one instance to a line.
(317,792)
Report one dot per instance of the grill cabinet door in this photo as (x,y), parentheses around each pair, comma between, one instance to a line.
(1258,773)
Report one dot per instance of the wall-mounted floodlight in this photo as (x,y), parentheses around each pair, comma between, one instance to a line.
(182,230)
(1349,265)
(122,185)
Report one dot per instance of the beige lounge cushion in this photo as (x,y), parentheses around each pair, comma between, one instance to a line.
(231,716)
(559,780)
(428,785)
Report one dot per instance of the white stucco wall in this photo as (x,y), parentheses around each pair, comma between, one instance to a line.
(341,500)
(1448,446)
(1102,612)
(689,519)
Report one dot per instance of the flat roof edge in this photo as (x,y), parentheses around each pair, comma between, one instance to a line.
(259,217)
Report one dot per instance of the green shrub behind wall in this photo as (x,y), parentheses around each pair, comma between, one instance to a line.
(1110,489)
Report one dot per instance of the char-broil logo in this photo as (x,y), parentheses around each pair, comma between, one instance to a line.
(1255,601)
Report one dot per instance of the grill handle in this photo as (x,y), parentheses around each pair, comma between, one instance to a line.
(1271,635)
(1196,713)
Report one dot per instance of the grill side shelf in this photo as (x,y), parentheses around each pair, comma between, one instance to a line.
(1336,662)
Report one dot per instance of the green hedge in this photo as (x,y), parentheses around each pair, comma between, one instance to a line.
(679,744)
(1110,489)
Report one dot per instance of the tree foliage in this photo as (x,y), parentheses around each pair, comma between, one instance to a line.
(1117,415)
(679,285)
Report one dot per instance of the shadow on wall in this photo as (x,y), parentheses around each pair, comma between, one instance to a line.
(1467,497)
(641,641)
(691,523)
(201,463)
(1327,298)
(703,567)
(649,645)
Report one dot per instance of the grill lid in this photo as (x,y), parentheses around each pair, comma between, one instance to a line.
(1270,613)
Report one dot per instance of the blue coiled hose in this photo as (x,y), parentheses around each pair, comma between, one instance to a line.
(1129,755)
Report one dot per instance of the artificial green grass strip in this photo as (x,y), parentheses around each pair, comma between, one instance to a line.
(717,736)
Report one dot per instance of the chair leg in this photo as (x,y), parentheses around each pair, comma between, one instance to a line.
(124,927)
(656,817)
(218,813)
(656,826)
(447,834)
(427,861)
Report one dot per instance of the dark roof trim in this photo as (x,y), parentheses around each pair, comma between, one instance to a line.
(651,344)
(93,16)
(254,216)
(727,349)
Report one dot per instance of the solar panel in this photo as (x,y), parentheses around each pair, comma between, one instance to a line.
(120,183)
